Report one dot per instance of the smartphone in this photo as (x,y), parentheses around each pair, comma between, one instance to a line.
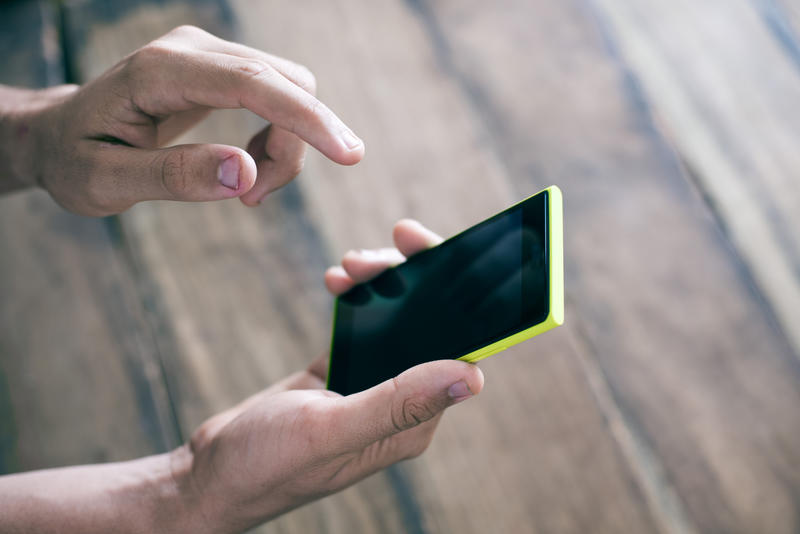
(493,285)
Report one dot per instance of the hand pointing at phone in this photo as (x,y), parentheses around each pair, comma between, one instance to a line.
(100,148)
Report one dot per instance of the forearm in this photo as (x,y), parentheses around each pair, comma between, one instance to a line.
(15,137)
(145,495)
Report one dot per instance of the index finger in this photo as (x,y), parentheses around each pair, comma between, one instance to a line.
(411,236)
(218,80)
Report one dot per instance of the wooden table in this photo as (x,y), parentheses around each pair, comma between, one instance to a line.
(670,400)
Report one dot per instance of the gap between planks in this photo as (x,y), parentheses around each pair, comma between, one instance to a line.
(649,473)
(727,164)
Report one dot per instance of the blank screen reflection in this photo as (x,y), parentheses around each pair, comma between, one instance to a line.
(480,286)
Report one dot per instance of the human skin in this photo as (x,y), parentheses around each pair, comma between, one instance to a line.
(290,444)
(101,147)
(97,150)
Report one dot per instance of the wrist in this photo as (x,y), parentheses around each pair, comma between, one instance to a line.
(145,495)
(23,134)
(167,496)
(151,494)
(15,143)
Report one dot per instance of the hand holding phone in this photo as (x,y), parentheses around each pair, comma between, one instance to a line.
(491,286)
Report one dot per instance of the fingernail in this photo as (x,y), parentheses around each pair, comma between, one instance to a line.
(368,254)
(228,172)
(459,392)
(391,256)
(350,140)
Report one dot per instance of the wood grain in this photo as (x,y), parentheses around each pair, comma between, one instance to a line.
(534,447)
(256,276)
(667,403)
(237,293)
(31,58)
(732,113)
(78,383)
(706,383)
(792,12)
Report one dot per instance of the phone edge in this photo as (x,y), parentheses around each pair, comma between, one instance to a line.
(555,317)
(330,351)
(555,233)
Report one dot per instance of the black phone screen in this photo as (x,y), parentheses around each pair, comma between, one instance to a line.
(482,285)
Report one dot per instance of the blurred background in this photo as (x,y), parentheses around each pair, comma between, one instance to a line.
(670,400)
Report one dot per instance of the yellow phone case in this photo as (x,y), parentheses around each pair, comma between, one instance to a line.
(556,290)
(555,233)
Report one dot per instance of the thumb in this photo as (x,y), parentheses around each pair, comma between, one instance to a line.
(202,172)
(196,173)
(411,398)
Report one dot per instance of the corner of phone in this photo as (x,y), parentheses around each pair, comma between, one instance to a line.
(556,233)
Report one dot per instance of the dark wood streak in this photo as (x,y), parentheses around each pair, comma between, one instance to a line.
(667,403)
(641,454)
(778,19)
(47,255)
(413,518)
(633,296)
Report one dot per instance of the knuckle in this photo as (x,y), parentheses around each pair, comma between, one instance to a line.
(252,68)
(308,114)
(201,437)
(173,173)
(155,51)
(312,109)
(306,79)
(411,413)
(295,169)
(150,55)
(185,30)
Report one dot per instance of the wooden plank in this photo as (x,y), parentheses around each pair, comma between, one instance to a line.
(242,304)
(244,308)
(706,383)
(148,19)
(731,113)
(427,158)
(29,44)
(77,381)
(28,67)
(793,9)
(782,18)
